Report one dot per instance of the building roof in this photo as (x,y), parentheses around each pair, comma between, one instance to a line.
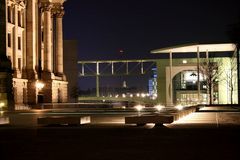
(190,48)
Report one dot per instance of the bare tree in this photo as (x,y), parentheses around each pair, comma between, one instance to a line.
(230,75)
(234,35)
(209,69)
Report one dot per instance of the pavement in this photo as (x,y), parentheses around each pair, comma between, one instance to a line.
(206,134)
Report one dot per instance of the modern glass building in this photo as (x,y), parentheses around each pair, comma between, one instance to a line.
(197,74)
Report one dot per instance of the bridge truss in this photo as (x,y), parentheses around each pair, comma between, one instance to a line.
(114,68)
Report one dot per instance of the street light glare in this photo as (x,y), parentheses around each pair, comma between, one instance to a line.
(179,107)
(159,107)
(139,107)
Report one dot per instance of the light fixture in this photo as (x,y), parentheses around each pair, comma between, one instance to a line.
(139,109)
(179,107)
(158,107)
(2,104)
(39,85)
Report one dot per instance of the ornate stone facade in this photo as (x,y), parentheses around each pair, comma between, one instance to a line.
(34,45)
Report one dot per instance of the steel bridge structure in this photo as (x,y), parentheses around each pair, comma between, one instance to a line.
(114,68)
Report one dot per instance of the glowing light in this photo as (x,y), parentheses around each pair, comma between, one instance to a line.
(40,85)
(159,107)
(116,96)
(124,95)
(2,104)
(138,95)
(154,98)
(143,95)
(139,107)
(184,61)
(179,107)
(131,95)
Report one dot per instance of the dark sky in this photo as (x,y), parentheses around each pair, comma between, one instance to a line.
(103,27)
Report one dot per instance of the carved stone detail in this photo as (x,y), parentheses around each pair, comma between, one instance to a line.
(46,6)
(58,10)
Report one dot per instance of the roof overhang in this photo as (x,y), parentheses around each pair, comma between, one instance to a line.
(223,47)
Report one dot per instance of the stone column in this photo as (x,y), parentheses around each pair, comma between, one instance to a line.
(31,39)
(47,38)
(15,45)
(59,42)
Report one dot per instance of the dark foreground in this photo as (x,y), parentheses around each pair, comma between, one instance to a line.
(119,143)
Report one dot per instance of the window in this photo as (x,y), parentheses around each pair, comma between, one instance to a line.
(9,14)
(19,43)
(19,63)
(9,40)
(19,19)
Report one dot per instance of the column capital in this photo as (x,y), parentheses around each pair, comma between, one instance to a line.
(46,6)
(58,10)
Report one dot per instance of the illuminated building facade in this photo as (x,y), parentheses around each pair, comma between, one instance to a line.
(152,83)
(180,79)
(34,45)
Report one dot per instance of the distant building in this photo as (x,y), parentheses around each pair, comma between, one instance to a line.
(152,83)
(70,68)
(34,45)
(180,80)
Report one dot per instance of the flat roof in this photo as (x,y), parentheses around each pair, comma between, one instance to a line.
(190,48)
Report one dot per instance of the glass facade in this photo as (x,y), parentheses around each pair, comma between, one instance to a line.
(152,83)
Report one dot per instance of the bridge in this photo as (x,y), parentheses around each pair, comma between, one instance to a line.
(116,68)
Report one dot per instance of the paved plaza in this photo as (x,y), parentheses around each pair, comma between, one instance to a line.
(200,135)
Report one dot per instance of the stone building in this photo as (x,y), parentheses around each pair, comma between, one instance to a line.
(70,68)
(34,45)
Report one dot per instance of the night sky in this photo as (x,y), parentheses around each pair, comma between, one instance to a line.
(104,27)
